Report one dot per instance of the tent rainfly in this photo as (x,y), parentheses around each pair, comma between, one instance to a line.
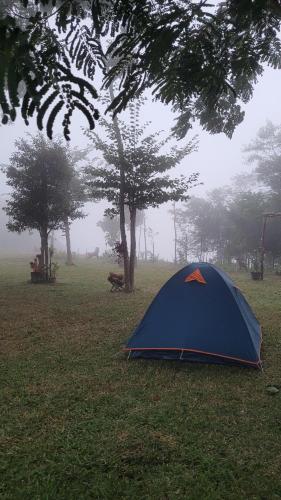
(199,315)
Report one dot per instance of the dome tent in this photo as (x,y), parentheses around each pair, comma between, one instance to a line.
(199,315)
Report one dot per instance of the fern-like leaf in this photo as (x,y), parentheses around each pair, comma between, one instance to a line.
(52,117)
(87,114)
(24,106)
(43,109)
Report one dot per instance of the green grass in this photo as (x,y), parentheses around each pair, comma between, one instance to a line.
(79,421)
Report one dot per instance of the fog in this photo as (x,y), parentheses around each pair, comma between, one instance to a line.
(217,160)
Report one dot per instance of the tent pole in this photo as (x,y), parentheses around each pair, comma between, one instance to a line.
(181,354)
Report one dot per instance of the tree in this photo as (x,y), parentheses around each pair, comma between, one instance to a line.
(34,53)
(42,198)
(179,219)
(141,223)
(183,234)
(175,224)
(245,220)
(145,237)
(16,9)
(20,13)
(204,225)
(227,225)
(265,153)
(197,216)
(111,227)
(152,235)
(202,59)
(144,183)
(78,194)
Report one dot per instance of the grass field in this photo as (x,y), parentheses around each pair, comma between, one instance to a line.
(79,421)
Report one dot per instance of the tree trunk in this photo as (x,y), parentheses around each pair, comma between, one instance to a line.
(262,249)
(201,248)
(144,236)
(44,228)
(139,249)
(124,243)
(133,247)
(185,248)
(45,253)
(69,261)
(122,198)
(175,233)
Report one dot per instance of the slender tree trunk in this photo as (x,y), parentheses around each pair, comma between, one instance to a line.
(175,232)
(47,257)
(145,240)
(185,247)
(52,243)
(42,252)
(45,253)
(201,248)
(262,249)
(124,244)
(69,261)
(122,198)
(139,249)
(44,228)
(133,247)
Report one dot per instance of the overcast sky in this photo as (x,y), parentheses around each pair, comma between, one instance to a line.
(217,160)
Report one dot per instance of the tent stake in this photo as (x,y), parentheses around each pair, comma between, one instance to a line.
(181,354)
(129,355)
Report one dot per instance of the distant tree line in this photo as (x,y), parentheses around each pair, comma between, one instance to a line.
(227,223)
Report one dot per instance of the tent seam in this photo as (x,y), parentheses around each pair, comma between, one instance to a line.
(193,351)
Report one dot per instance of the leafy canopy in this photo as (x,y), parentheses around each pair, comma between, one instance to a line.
(144,163)
(45,188)
(265,153)
(202,58)
(230,227)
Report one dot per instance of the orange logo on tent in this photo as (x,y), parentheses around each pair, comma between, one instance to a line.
(196,276)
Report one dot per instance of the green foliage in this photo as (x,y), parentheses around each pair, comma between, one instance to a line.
(45,190)
(227,225)
(111,227)
(35,55)
(244,215)
(228,222)
(202,59)
(265,153)
(145,166)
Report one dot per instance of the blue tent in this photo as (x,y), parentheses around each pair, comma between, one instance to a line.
(199,315)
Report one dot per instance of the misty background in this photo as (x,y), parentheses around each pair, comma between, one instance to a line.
(218,160)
